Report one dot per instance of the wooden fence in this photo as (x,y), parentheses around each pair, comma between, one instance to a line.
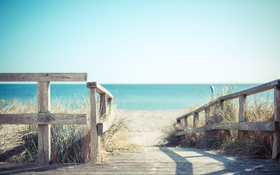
(45,119)
(270,126)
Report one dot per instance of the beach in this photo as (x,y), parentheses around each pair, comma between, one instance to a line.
(148,128)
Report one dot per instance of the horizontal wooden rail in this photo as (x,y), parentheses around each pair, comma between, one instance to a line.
(251,91)
(241,126)
(44,118)
(43,77)
(99,89)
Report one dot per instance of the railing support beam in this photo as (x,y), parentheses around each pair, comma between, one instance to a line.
(275,146)
(93,128)
(185,123)
(195,120)
(242,111)
(44,130)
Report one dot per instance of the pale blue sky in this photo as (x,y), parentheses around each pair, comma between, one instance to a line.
(152,41)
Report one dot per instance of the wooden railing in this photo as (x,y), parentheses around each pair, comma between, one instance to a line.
(270,126)
(45,119)
(106,100)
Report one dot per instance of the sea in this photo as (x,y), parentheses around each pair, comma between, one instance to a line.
(126,96)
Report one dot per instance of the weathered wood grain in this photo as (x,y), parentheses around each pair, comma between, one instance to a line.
(93,121)
(243,126)
(276,141)
(44,132)
(44,102)
(43,76)
(241,114)
(254,90)
(103,104)
(195,120)
(44,144)
(99,140)
(242,107)
(43,118)
(185,123)
(99,89)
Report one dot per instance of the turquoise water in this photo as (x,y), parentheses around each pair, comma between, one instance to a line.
(134,96)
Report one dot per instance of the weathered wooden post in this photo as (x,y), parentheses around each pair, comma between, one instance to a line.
(242,110)
(44,130)
(275,146)
(195,120)
(185,123)
(103,112)
(99,140)
(221,105)
(93,121)
(103,105)
(207,111)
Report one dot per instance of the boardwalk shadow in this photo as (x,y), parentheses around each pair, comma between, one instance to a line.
(28,168)
(196,162)
(183,166)
(241,166)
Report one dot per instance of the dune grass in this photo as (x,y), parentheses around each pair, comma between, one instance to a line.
(69,143)
(251,144)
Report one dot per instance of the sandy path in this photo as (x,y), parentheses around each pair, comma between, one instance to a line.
(147,128)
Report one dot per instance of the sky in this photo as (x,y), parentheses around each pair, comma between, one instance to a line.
(143,41)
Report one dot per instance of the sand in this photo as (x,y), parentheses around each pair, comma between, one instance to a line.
(148,128)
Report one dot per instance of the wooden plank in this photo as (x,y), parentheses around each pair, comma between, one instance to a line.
(242,110)
(195,120)
(43,76)
(254,90)
(93,121)
(99,140)
(243,126)
(44,130)
(99,89)
(242,107)
(276,141)
(44,102)
(103,105)
(44,144)
(221,104)
(43,118)
(185,123)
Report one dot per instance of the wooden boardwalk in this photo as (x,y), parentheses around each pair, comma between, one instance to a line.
(155,160)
